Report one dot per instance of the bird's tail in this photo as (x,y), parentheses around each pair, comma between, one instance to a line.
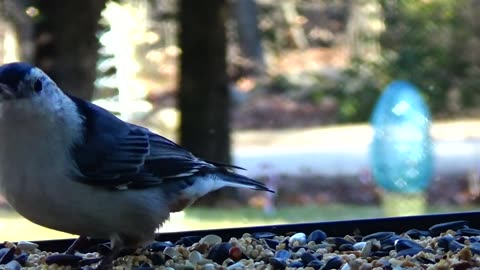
(237,180)
(192,188)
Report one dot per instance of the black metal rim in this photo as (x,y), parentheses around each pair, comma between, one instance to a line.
(332,228)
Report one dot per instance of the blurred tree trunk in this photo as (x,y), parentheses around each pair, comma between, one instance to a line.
(364,27)
(204,98)
(66,46)
(14,12)
(249,38)
(295,28)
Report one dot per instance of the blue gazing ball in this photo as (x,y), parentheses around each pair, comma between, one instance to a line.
(401,151)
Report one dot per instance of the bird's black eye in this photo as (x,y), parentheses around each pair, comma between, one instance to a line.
(37,87)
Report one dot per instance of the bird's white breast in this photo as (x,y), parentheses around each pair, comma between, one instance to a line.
(34,145)
(36,170)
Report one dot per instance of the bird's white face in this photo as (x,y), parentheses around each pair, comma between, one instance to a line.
(33,93)
(35,84)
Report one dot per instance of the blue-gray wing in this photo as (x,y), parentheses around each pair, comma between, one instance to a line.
(118,154)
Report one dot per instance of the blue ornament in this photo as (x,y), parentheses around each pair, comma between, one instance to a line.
(401,151)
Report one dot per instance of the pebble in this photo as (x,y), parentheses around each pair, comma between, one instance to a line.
(210,240)
(208,266)
(443,242)
(455,246)
(317,236)
(63,259)
(144,267)
(195,257)
(236,253)
(6,255)
(263,235)
(307,257)
(333,263)
(390,241)
(408,252)
(21,258)
(282,255)
(378,236)
(219,252)
(298,239)
(402,244)
(237,265)
(277,263)
(27,246)
(296,264)
(443,227)
(171,252)
(89,261)
(415,233)
(188,241)
(337,241)
(346,266)
(272,243)
(315,264)
(367,248)
(159,246)
(359,245)
(156,258)
(346,247)
(13,265)
(468,232)
(475,248)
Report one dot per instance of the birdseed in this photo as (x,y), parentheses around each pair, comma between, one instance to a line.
(451,245)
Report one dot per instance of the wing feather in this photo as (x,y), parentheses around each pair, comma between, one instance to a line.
(118,154)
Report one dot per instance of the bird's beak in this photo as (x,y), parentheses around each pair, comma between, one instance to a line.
(6,92)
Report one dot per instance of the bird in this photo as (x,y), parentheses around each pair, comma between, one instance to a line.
(70,165)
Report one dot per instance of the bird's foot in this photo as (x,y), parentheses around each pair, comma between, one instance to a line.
(79,243)
(106,263)
(110,254)
(82,242)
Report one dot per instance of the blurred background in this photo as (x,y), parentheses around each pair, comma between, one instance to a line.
(295,91)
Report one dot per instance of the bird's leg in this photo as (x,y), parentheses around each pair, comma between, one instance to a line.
(79,243)
(117,243)
(107,260)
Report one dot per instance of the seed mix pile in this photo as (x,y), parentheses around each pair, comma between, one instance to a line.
(451,245)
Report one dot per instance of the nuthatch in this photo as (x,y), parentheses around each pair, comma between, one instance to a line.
(72,166)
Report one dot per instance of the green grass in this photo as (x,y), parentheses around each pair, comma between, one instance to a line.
(286,214)
(14,228)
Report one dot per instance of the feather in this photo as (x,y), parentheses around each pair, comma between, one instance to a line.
(115,153)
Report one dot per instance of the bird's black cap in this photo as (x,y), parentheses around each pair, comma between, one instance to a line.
(11,74)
